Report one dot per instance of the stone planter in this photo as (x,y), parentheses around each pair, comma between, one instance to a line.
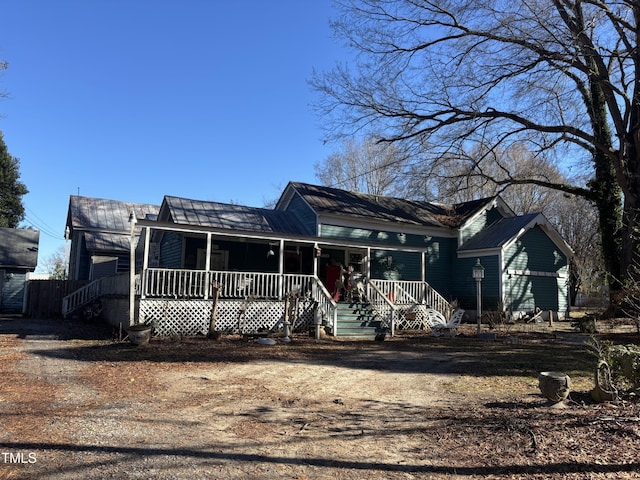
(139,334)
(555,386)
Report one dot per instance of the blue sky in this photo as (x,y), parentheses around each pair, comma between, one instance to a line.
(134,100)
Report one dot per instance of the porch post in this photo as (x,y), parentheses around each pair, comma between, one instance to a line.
(423,275)
(281,270)
(367,263)
(145,263)
(367,272)
(207,267)
(316,259)
(132,267)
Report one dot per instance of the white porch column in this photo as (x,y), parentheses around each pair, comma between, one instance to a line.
(207,267)
(145,263)
(367,263)
(316,259)
(281,270)
(132,267)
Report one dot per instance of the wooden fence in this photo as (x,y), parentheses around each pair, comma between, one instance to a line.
(44,297)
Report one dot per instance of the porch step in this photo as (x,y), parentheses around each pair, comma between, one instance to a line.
(358,320)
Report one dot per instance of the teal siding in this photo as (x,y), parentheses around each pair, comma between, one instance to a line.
(372,236)
(402,265)
(540,278)
(439,264)
(526,292)
(465,284)
(13,291)
(484,220)
(304,213)
(440,254)
(535,251)
(171,250)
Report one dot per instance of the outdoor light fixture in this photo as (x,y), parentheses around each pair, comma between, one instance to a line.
(271,253)
(478,275)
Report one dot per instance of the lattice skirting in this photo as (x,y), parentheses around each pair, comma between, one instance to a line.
(191,317)
(412,318)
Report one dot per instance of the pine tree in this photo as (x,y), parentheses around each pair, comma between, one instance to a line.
(11,189)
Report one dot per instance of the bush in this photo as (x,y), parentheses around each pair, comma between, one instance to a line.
(586,324)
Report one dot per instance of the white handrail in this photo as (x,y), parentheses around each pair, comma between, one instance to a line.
(111,285)
(326,305)
(383,305)
(405,292)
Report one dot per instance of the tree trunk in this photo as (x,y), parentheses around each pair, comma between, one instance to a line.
(606,191)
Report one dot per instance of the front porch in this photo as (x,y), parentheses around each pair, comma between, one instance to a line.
(181,301)
(261,280)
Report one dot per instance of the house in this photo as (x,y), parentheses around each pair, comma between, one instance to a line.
(18,257)
(99,231)
(399,254)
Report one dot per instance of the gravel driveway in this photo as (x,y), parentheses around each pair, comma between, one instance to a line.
(77,405)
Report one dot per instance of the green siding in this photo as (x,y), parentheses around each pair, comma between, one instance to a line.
(13,290)
(304,213)
(526,292)
(372,237)
(465,284)
(535,251)
(402,265)
(541,273)
(484,220)
(171,250)
(439,264)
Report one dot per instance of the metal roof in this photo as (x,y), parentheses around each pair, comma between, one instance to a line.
(19,248)
(333,201)
(499,233)
(223,215)
(107,242)
(88,213)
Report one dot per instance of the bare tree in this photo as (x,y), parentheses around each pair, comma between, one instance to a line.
(366,166)
(576,220)
(462,177)
(54,264)
(455,179)
(558,76)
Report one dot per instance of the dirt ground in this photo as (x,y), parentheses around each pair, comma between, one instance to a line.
(75,403)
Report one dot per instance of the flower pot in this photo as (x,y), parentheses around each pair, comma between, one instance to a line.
(139,334)
(555,386)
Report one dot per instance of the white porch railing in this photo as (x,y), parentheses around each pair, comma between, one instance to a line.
(404,292)
(192,284)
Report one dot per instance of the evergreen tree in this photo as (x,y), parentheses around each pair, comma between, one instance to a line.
(11,189)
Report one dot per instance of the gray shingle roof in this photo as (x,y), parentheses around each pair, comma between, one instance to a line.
(19,248)
(499,233)
(222,215)
(333,201)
